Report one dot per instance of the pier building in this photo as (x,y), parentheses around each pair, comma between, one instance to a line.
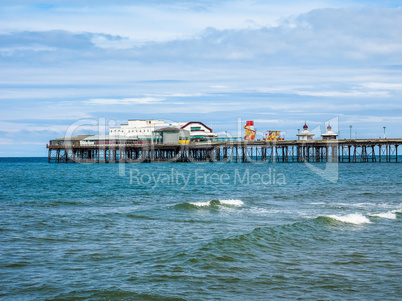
(143,129)
(329,134)
(171,135)
(305,134)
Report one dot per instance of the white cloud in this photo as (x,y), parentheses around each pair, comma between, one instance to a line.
(103,42)
(348,94)
(124,101)
(142,22)
(220,87)
(364,120)
(38,126)
(267,121)
(176,94)
(383,86)
(6,141)
(322,36)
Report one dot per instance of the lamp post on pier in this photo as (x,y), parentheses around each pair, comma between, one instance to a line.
(384,131)
(350,131)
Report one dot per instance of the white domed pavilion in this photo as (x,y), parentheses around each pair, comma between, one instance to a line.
(305,134)
(329,135)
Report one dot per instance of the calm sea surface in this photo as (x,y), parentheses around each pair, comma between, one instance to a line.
(199,231)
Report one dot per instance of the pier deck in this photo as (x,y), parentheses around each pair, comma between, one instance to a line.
(287,151)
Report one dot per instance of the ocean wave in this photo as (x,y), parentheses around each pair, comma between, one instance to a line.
(210,204)
(260,210)
(271,240)
(268,240)
(112,294)
(388,215)
(358,205)
(365,205)
(234,203)
(355,218)
(137,216)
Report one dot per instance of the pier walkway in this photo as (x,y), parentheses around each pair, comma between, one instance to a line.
(286,151)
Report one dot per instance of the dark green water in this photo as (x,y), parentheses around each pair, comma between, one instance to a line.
(199,231)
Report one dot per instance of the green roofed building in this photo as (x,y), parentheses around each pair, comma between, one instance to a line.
(171,135)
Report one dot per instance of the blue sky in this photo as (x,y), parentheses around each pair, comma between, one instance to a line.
(278,63)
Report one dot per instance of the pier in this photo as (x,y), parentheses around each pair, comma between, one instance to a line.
(285,151)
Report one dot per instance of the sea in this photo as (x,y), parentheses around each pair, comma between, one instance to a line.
(200,231)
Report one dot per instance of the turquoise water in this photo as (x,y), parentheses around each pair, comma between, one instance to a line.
(199,231)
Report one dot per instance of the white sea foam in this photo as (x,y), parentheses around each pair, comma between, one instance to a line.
(201,204)
(388,215)
(363,205)
(234,203)
(259,210)
(355,218)
(358,205)
(366,205)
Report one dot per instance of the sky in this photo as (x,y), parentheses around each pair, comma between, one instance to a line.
(81,64)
